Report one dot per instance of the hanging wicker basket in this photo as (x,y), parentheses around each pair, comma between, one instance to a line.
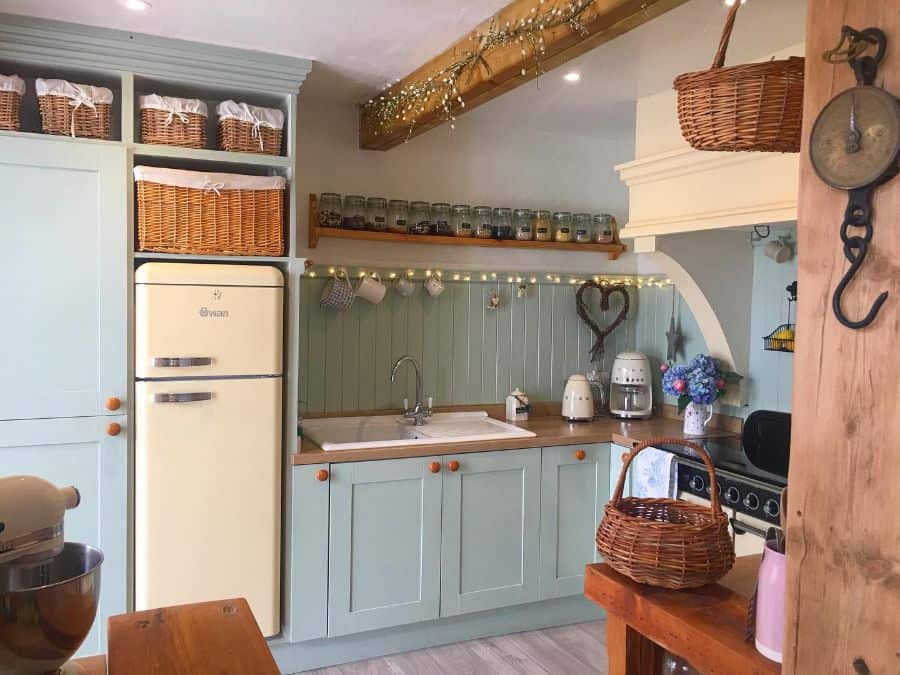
(666,542)
(750,107)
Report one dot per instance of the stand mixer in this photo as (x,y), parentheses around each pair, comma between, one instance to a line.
(48,588)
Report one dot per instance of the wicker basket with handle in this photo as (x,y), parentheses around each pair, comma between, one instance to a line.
(249,128)
(210,213)
(166,120)
(77,110)
(12,88)
(666,542)
(754,106)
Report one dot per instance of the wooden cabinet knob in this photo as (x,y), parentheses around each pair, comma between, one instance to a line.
(625,456)
(434,467)
(321,475)
(113,429)
(113,403)
(453,465)
(580,455)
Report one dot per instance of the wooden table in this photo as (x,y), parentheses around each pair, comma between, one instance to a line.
(207,638)
(704,626)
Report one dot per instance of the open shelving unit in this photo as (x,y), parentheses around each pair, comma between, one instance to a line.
(612,251)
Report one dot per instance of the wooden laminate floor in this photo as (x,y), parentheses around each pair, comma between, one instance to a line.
(579,649)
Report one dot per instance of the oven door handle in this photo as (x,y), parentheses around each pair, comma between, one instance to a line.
(740,528)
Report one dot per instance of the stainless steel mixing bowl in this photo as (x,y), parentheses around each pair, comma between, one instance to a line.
(47,609)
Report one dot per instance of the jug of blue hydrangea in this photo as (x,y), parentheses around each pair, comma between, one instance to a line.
(696,386)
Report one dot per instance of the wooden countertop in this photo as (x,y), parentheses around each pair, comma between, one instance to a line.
(704,626)
(550,431)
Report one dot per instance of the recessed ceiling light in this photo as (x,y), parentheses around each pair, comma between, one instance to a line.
(138,5)
(730,3)
(572,77)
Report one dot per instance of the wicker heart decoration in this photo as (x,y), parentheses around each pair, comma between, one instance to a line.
(605,292)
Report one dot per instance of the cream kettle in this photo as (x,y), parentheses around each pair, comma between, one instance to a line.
(578,401)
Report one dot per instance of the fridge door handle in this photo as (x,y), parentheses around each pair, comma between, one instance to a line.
(189,397)
(181,361)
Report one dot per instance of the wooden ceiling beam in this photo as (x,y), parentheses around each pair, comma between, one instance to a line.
(604,21)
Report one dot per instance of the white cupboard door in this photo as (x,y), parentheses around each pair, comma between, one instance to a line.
(63,278)
(208,494)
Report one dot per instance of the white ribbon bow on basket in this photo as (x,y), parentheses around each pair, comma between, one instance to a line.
(257,123)
(81,98)
(209,186)
(173,113)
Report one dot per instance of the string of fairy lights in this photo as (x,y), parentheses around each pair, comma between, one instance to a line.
(393,108)
(533,279)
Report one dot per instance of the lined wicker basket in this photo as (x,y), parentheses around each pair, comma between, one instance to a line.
(750,107)
(666,542)
(209,213)
(12,88)
(166,120)
(77,110)
(249,128)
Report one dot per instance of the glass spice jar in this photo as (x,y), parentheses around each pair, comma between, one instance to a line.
(604,228)
(503,228)
(541,226)
(522,222)
(440,219)
(461,220)
(562,226)
(419,218)
(354,212)
(484,222)
(376,214)
(398,216)
(583,228)
(330,210)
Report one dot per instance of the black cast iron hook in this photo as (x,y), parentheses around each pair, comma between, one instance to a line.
(856,247)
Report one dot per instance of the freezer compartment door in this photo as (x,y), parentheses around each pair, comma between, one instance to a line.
(208,494)
(189,331)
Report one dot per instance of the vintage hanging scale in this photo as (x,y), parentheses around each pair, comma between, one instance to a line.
(854,147)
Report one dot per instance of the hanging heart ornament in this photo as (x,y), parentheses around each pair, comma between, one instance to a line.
(605,293)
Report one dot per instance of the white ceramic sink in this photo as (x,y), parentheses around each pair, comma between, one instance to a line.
(379,431)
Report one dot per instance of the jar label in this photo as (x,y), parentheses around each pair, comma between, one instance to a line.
(543,230)
(564,230)
(380,220)
(400,222)
(465,226)
(581,233)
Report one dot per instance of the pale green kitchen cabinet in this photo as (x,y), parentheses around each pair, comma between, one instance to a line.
(79,451)
(384,561)
(63,277)
(491,512)
(574,490)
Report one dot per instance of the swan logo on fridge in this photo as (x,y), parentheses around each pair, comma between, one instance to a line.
(208,313)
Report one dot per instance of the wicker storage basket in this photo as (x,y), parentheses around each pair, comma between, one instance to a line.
(195,212)
(249,128)
(756,106)
(166,120)
(666,542)
(67,109)
(12,89)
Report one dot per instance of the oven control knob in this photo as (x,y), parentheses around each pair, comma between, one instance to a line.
(751,501)
(771,508)
(696,483)
(718,484)
(732,495)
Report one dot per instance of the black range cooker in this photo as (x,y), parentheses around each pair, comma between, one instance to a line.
(751,469)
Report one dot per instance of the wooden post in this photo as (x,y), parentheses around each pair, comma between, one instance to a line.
(843,598)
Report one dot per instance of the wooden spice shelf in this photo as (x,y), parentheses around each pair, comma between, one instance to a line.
(613,251)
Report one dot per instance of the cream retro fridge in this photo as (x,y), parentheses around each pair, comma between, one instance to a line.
(208,391)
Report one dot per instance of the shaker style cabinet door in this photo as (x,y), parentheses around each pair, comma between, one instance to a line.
(385,544)
(63,278)
(491,511)
(91,455)
(574,490)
